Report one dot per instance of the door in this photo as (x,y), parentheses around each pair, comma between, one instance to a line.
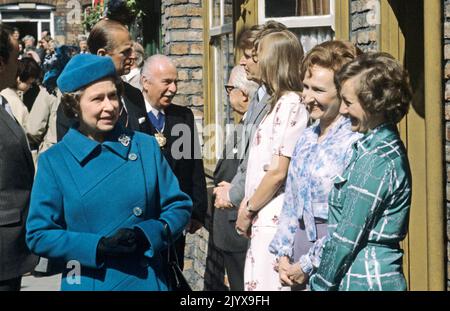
(403,34)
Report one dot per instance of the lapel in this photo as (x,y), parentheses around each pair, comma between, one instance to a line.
(259,111)
(19,133)
(172,118)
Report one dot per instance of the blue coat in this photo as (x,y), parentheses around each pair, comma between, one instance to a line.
(85,190)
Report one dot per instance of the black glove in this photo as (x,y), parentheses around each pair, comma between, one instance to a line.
(141,240)
(122,243)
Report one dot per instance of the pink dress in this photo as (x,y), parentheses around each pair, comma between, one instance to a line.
(277,134)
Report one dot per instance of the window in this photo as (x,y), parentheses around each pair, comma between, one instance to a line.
(312,20)
(221,42)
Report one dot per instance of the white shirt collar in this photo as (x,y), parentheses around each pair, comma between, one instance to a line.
(261,92)
(133,72)
(149,107)
(244,116)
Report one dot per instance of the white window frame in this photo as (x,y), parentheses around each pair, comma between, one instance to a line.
(301,21)
(216,32)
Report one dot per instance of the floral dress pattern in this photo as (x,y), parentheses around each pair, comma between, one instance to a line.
(309,181)
(276,135)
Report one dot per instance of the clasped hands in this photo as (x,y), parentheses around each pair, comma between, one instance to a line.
(122,243)
(221,193)
(291,274)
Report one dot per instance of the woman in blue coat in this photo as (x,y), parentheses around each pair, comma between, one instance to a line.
(103,194)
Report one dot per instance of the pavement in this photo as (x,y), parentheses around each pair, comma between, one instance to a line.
(48,283)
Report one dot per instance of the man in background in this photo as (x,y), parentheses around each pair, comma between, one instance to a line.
(16,177)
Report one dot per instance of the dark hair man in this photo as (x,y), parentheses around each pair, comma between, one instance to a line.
(16,177)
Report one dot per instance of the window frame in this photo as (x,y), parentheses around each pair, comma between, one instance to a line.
(301,21)
(216,90)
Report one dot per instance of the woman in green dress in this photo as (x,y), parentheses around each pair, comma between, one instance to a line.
(369,203)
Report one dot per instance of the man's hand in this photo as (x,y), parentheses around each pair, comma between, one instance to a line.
(296,274)
(193,226)
(283,268)
(222,195)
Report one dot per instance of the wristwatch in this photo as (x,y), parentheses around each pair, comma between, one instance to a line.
(248,208)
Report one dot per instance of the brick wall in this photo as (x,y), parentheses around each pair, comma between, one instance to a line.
(447,121)
(182,30)
(182,25)
(363,29)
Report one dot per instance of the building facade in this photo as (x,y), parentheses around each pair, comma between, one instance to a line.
(201,37)
(416,35)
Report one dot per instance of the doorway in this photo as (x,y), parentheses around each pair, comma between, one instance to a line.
(403,34)
(25,28)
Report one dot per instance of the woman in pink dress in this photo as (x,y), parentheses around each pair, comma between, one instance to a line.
(278,55)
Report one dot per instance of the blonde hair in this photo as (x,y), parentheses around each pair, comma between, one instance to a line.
(279,56)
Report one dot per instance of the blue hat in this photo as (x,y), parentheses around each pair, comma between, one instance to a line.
(84,69)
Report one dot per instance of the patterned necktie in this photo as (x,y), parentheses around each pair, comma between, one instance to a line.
(157,121)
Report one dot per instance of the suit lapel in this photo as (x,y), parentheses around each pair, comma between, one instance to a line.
(259,111)
(11,123)
(19,133)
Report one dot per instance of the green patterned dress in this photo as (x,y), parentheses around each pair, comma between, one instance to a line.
(368,217)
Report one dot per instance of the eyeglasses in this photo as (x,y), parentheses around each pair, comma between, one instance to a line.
(229,88)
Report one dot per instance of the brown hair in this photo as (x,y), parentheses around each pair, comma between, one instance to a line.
(383,84)
(279,55)
(71,101)
(101,35)
(246,40)
(248,36)
(331,55)
(6,46)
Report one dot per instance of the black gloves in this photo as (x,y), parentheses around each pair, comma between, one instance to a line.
(122,243)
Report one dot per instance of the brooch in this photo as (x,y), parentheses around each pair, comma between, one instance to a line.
(124,140)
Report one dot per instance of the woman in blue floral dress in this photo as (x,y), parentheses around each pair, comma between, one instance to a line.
(322,152)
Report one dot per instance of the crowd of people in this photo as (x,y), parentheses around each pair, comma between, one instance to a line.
(312,191)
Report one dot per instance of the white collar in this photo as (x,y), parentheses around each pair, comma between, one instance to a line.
(133,72)
(261,92)
(244,116)
(149,107)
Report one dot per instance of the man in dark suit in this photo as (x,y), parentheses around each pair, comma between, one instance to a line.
(174,128)
(232,246)
(111,38)
(16,178)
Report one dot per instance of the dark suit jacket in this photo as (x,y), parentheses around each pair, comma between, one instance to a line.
(134,104)
(224,232)
(184,156)
(16,180)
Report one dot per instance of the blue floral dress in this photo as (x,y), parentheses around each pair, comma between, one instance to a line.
(309,181)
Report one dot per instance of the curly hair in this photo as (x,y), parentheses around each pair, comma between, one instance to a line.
(71,101)
(331,55)
(384,86)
